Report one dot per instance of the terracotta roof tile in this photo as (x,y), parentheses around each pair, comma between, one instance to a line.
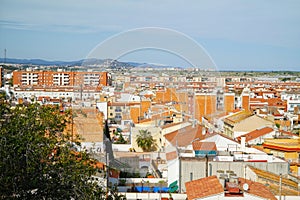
(256,133)
(184,136)
(257,189)
(204,146)
(203,187)
(274,178)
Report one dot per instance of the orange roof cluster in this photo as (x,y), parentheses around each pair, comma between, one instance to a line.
(203,187)
(256,133)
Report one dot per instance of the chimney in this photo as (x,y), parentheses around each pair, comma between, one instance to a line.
(232,188)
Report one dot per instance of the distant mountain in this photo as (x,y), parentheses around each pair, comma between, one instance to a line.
(87,62)
(39,62)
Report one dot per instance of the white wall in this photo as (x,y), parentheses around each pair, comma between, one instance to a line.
(102,107)
(173,171)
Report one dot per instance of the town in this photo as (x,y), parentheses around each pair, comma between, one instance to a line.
(175,133)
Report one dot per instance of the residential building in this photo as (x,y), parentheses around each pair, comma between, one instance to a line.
(59,78)
(258,136)
(243,122)
(287,149)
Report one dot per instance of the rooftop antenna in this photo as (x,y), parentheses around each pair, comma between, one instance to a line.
(4,55)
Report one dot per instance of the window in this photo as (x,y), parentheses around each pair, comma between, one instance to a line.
(118,109)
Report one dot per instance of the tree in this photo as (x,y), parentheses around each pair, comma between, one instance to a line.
(145,140)
(37,159)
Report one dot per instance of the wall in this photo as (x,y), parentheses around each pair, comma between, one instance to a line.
(173,171)
(205,104)
(152,196)
(102,107)
(134,113)
(229,102)
(249,124)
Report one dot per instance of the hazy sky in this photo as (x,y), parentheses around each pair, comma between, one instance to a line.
(238,35)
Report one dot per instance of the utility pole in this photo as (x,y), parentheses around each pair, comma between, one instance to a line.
(107,171)
(206,165)
(280,185)
(179,181)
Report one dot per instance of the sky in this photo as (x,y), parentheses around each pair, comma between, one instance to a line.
(235,34)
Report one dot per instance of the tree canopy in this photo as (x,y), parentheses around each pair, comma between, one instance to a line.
(145,140)
(37,159)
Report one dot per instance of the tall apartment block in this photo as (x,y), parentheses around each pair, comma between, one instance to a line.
(59,78)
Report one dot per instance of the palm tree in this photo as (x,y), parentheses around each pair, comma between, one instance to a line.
(145,140)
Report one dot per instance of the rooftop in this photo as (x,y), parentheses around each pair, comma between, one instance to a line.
(184,136)
(211,185)
(257,189)
(288,145)
(237,117)
(256,133)
(289,187)
(204,146)
(203,187)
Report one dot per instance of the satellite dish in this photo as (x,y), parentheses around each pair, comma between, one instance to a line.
(245,186)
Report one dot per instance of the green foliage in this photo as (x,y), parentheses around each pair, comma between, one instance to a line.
(3,96)
(145,140)
(120,140)
(36,157)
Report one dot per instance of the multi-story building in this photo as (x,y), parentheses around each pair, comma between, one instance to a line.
(59,84)
(59,78)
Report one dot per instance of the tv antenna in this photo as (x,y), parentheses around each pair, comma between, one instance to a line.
(4,55)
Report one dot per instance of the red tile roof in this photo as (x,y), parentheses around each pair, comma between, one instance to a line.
(257,189)
(210,186)
(256,133)
(203,187)
(204,146)
(185,136)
